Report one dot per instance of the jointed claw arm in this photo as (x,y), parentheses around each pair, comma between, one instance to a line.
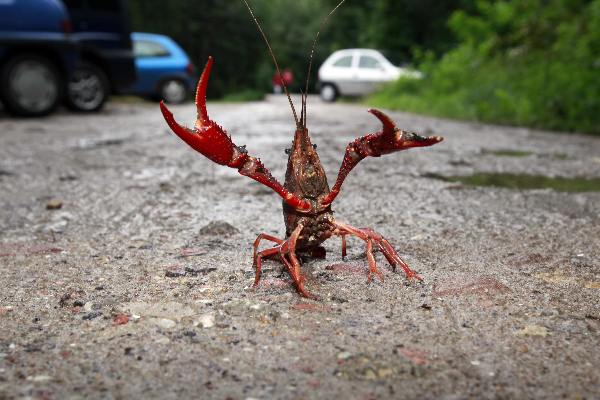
(209,139)
(390,139)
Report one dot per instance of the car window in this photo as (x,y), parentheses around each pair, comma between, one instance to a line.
(146,48)
(343,62)
(369,62)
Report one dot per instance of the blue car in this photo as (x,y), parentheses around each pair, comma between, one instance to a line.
(163,69)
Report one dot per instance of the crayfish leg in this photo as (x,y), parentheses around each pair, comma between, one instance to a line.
(370,237)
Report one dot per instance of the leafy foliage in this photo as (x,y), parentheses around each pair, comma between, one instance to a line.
(225,30)
(525,62)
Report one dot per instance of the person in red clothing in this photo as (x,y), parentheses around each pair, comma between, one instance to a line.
(286,78)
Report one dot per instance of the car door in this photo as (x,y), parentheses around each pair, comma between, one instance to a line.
(343,72)
(151,58)
(370,73)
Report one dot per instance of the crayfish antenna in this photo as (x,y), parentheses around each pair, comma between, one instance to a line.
(285,88)
(312,52)
(201,94)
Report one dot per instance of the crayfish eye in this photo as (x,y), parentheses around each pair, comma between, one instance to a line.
(314,146)
(288,151)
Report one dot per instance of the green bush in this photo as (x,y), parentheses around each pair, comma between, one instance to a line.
(524,62)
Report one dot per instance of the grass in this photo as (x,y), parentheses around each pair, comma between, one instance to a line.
(243,96)
(524,181)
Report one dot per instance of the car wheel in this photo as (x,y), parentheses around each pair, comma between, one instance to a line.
(173,91)
(30,85)
(328,92)
(88,88)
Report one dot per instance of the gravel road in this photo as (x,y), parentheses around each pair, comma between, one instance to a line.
(126,264)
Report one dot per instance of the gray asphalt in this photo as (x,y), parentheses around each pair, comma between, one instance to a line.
(126,264)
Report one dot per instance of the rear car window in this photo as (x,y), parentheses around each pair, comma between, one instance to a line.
(146,48)
(343,62)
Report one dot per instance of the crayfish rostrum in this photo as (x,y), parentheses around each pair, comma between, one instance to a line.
(306,194)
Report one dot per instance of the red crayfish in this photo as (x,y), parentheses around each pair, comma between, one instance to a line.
(306,194)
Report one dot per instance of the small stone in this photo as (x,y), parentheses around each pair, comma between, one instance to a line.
(370,375)
(592,285)
(466,285)
(163,340)
(218,228)
(166,323)
(195,270)
(555,277)
(89,306)
(187,252)
(384,372)
(206,321)
(175,271)
(54,205)
(533,330)
(94,314)
(40,378)
(120,319)
(344,355)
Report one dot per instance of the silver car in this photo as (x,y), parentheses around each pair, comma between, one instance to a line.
(357,72)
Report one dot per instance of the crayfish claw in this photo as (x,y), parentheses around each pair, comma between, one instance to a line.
(388,124)
(201,94)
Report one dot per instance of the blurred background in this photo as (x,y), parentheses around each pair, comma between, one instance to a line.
(520,62)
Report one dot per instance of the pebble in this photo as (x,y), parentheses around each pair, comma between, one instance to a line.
(120,319)
(533,330)
(195,270)
(40,378)
(175,271)
(206,321)
(218,228)
(344,355)
(54,205)
(92,315)
(165,323)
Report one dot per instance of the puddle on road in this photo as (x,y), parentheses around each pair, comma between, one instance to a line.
(507,153)
(521,153)
(522,181)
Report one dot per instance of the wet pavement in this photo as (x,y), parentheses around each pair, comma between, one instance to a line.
(126,264)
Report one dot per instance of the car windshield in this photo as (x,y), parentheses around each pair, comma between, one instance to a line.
(146,48)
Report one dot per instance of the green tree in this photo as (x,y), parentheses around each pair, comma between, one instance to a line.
(526,62)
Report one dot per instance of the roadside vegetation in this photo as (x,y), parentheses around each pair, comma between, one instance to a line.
(225,30)
(523,62)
